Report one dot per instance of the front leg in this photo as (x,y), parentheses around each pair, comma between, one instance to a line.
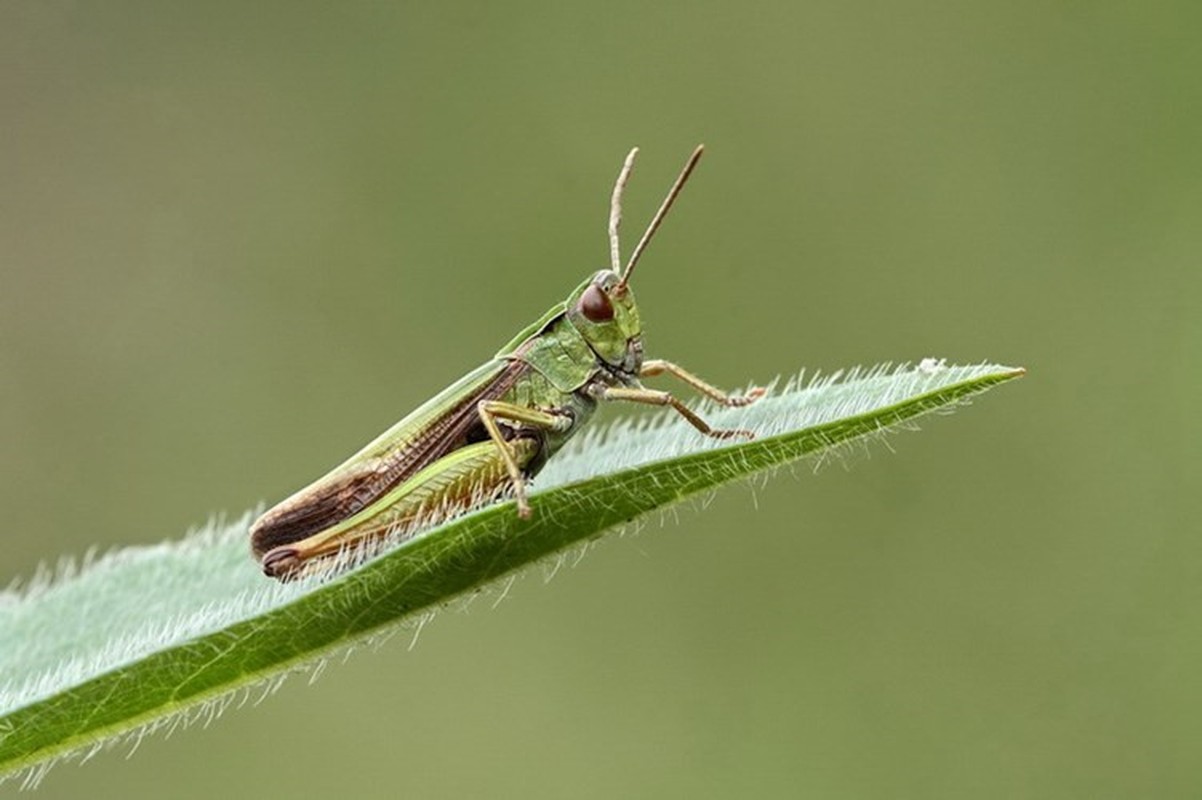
(659,366)
(641,394)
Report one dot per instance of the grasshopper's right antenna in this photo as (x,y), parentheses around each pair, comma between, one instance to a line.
(615,211)
(659,215)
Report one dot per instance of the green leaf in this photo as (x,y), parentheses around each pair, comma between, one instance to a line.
(151,637)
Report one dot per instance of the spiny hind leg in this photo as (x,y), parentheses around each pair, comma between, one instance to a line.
(492,410)
(657,366)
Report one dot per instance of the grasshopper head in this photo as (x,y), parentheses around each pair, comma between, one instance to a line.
(603,310)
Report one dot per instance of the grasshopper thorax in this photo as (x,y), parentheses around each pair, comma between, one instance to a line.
(603,310)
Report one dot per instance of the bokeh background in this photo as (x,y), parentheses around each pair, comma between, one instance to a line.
(237,240)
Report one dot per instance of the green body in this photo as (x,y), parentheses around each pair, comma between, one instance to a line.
(439,460)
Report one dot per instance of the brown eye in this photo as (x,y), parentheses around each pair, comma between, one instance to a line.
(595,305)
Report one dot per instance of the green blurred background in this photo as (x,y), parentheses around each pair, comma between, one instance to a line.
(237,240)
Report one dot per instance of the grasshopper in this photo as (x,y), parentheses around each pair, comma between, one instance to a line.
(484,436)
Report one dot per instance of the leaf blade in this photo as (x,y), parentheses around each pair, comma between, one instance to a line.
(271,629)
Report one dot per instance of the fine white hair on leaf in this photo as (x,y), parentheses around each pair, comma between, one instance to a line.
(103,613)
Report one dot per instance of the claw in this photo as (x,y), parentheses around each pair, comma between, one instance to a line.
(753,394)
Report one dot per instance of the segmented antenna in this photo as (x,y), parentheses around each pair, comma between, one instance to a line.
(659,215)
(615,211)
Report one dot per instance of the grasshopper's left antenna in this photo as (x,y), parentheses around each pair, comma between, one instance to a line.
(659,215)
(615,211)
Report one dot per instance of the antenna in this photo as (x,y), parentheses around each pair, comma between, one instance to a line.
(615,211)
(659,215)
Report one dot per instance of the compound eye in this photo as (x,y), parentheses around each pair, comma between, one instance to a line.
(595,305)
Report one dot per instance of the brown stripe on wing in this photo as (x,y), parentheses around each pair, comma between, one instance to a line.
(305,515)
